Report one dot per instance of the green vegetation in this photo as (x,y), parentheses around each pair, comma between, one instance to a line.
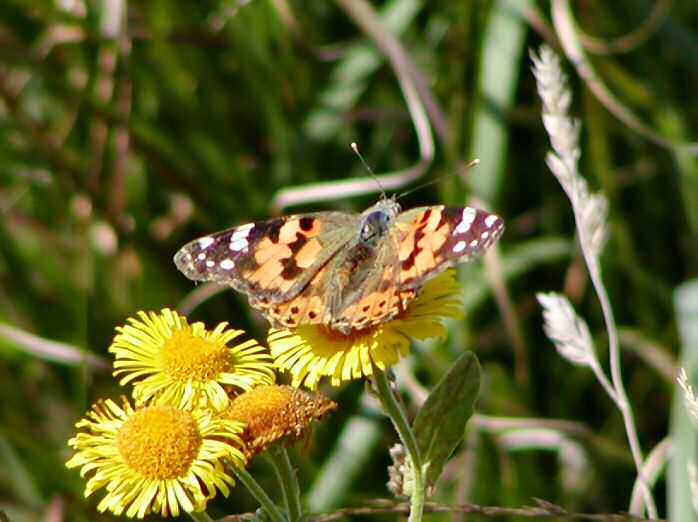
(129,129)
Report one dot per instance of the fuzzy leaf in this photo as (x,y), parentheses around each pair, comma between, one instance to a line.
(441,421)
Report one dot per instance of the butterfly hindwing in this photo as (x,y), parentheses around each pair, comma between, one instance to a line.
(310,306)
(380,298)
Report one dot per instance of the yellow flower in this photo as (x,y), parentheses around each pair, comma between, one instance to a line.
(157,459)
(172,362)
(311,352)
(270,412)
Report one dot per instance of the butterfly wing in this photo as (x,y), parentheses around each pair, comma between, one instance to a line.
(312,305)
(378,298)
(363,286)
(431,239)
(270,261)
(313,269)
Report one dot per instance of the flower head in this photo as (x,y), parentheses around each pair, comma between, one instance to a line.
(270,412)
(157,459)
(311,352)
(173,362)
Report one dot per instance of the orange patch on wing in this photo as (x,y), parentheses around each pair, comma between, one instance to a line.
(373,308)
(267,250)
(288,231)
(431,242)
(315,228)
(424,262)
(308,253)
(311,309)
(285,285)
(436,239)
(406,247)
(305,308)
(434,219)
(266,274)
(367,312)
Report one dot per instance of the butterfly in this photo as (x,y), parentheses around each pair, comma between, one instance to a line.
(347,271)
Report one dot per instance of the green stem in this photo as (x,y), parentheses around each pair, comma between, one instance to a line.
(399,419)
(200,516)
(264,500)
(279,459)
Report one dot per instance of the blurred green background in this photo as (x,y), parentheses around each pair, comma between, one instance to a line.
(129,128)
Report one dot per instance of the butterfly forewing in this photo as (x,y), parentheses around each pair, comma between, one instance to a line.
(270,261)
(431,239)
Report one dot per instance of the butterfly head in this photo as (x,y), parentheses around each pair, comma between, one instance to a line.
(376,220)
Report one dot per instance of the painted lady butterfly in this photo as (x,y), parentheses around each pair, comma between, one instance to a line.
(347,271)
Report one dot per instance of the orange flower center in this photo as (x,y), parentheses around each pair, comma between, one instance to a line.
(185,356)
(159,442)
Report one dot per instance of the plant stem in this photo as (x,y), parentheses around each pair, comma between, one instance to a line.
(564,139)
(288,481)
(264,500)
(620,397)
(399,419)
(200,516)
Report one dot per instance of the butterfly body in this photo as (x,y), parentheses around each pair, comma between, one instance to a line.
(347,271)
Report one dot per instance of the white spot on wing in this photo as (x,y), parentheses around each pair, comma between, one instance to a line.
(210,263)
(238,244)
(459,246)
(206,242)
(474,243)
(491,220)
(485,235)
(466,220)
(241,232)
(201,256)
(226,264)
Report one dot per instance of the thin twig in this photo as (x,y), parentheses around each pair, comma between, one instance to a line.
(567,32)
(199,295)
(632,40)
(618,385)
(652,469)
(542,510)
(52,351)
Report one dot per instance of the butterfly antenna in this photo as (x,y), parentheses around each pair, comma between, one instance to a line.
(355,148)
(473,163)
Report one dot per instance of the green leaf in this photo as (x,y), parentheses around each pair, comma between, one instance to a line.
(440,423)
(682,432)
